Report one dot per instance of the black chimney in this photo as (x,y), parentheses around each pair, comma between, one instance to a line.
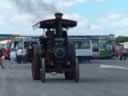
(58,15)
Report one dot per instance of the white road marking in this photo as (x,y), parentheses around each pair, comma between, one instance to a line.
(114,67)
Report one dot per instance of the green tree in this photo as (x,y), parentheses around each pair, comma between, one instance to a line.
(121,39)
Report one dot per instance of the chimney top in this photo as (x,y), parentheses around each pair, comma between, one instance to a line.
(58,15)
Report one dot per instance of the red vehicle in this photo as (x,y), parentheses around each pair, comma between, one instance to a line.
(5,46)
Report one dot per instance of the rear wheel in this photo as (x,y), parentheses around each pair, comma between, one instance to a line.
(76,71)
(36,62)
(71,56)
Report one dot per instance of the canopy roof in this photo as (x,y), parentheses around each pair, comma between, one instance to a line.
(51,23)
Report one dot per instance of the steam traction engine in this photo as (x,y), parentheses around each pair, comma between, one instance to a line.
(54,52)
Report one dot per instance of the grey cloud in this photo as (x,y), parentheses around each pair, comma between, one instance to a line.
(34,7)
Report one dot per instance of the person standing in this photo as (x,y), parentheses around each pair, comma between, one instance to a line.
(13,56)
(29,53)
(19,55)
(24,53)
(1,59)
(120,54)
(124,54)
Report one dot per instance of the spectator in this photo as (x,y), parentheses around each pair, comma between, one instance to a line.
(24,53)
(29,53)
(124,54)
(1,59)
(13,56)
(120,54)
(19,55)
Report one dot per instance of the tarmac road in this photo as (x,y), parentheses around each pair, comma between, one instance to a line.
(16,80)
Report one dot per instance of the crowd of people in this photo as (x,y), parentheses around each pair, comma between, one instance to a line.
(20,55)
(17,56)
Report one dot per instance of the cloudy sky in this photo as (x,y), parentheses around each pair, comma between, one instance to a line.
(95,17)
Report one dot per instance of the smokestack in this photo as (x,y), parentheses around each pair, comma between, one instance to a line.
(58,15)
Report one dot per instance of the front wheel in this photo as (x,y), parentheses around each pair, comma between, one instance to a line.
(36,64)
(68,75)
(43,73)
